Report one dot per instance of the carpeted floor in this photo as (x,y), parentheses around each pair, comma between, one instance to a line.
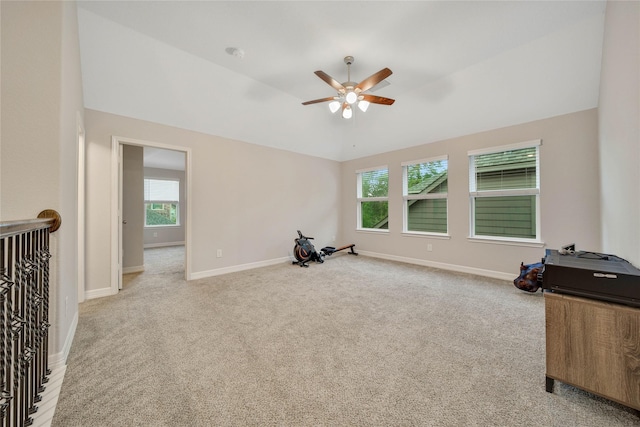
(352,342)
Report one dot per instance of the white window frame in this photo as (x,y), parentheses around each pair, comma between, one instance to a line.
(176,202)
(360,199)
(474,193)
(406,197)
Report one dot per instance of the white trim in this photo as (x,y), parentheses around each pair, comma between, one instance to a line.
(506,193)
(475,194)
(373,199)
(443,266)
(80,205)
(406,197)
(426,235)
(188,191)
(507,147)
(236,268)
(425,196)
(115,218)
(376,168)
(47,406)
(373,230)
(507,241)
(115,142)
(99,293)
(134,269)
(429,160)
(60,359)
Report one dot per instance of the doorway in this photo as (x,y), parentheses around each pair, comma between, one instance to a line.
(159,171)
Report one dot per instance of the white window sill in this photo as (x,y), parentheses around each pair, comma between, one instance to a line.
(418,234)
(372,230)
(507,242)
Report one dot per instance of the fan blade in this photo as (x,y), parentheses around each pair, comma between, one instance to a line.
(377,99)
(316,101)
(373,80)
(331,81)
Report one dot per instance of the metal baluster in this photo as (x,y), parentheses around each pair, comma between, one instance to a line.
(15,331)
(5,366)
(10,344)
(45,306)
(24,317)
(30,345)
(38,315)
(19,324)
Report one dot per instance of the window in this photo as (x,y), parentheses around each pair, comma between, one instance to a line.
(161,202)
(504,190)
(425,195)
(373,201)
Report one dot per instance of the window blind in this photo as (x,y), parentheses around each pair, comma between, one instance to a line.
(161,190)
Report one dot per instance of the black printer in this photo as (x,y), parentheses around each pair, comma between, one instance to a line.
(591,275)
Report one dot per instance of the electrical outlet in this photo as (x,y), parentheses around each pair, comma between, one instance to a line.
(429,247)
(219,253)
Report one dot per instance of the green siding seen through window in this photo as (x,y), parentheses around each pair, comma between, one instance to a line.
(508,216)
(425,187)
(430,177)
(504,190)
(506,170)
(427,215)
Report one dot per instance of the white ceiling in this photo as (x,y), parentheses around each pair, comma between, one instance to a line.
(458,67)
(163,159)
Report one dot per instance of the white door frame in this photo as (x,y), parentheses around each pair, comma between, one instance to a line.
(120,219)
(80,187)
(116,192)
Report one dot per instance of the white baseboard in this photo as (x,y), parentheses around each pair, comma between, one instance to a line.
(98,293)
(163,244)
(47,406)
(134,269)
(441,265)
(60,359)
(236,268)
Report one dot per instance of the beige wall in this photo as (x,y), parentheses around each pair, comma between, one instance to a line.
(247,200)
(31,85)
(41,110)
(163,236)
(132,208)
(568,201)
(619,127)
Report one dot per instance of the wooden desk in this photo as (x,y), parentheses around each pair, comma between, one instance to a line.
(595,346)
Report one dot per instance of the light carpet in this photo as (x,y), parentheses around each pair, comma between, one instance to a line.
(355,341)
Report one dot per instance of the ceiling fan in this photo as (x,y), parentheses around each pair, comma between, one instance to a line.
(352,93)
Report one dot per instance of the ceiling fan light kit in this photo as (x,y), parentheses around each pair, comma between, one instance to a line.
(351,93)
(347,112)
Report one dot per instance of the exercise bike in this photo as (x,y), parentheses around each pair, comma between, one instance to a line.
(305,252)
